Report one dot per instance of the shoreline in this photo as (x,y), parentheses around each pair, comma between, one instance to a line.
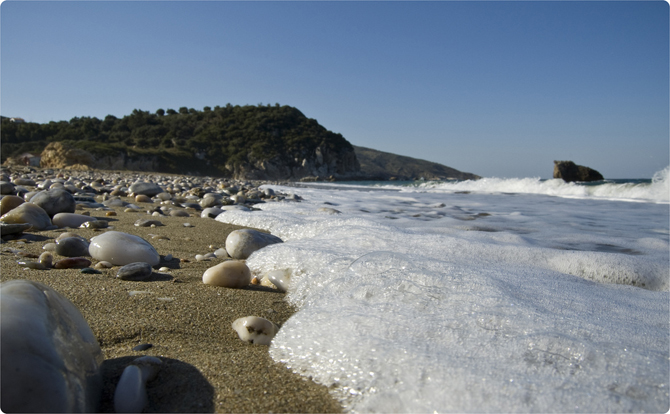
(207,368)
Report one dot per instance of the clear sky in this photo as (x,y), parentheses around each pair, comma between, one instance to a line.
(494,88)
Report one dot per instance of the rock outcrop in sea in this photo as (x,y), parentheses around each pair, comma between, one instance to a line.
(570,172)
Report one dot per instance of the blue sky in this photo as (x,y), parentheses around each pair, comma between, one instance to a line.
(495,88)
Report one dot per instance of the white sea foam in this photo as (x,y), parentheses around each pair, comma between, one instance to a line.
(428,299)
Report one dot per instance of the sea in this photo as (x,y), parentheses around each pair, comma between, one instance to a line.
(494,295)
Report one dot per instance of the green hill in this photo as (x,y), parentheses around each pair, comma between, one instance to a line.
(254,142)
(384,166)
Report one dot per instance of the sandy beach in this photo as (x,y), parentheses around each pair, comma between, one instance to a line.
(207,368)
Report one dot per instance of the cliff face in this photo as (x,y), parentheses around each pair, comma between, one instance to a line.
(321,164)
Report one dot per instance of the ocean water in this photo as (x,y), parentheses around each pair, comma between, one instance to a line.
(496,295)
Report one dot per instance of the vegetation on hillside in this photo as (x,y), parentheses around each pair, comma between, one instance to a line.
(381,165)
(228,135)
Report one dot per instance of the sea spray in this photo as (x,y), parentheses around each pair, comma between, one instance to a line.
(425,298)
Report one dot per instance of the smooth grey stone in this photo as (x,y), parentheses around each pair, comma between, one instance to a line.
(210,202)
(142,347)
(72,247)
(55,201)
(6,187)
(6,229)
(50,357)
(148,223)
(149,189)
(24,181)
(195,206)
(135,271)
(240,244)
(179,213)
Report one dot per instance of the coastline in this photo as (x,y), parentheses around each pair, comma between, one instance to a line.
(207,368)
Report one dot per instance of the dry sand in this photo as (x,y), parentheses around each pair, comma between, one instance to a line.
(207,368)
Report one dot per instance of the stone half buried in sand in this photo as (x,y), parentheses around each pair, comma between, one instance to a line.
(240,244)
(50,357)
(231,274)
(28,213)
(120,249)
(255,330)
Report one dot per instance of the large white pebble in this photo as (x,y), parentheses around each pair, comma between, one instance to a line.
(241,243)
(280,278)
(71,219)
(231,274)
(255,330)
(50,357)
(120,249)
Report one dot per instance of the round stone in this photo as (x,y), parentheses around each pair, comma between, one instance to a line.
(148,189)
(255,330)
(135,271)
(10,202)
(55,201)
(230,274)
(28,213)
(143,198)
(72,247)
(121,248)
(6,187)
(72,263)
(240,244)
(47,348)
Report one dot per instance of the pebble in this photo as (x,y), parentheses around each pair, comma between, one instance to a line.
(6,228)
(71,220)
(231,274)
(95,225)
(143,198)
(6,187)
(142,347)
(54,201)
(148,189)
(32,265)
(110,213)
(72,263)
(179,213)
(114,202)
(46,259)
(210,212)
(148,223)
(255,330)
(10,202)
(188,225)
(103,265)
(50,247)
(240,244)
(47,346)
(164,269)
(121,248)
(280,278)
(90,271)
(135,271)
(130,395)
(72,247)
(28,213)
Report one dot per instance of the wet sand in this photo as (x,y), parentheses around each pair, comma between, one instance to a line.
(207,368)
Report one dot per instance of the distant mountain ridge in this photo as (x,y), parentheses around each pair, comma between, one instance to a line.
(379,165)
